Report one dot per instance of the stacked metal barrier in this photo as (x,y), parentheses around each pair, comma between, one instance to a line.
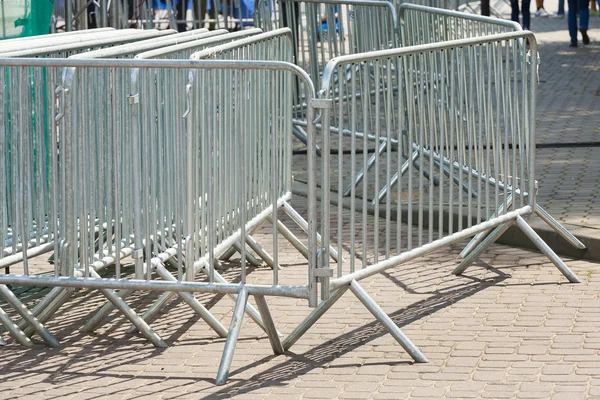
(158,177)
(29,186)
(171,165)
(420,24)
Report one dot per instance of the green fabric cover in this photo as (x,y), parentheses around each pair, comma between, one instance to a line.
(21,18)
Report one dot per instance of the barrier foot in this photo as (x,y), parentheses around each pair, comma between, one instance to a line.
(189,298)
(361,174)
(287,233)
(40,329)
(481,247)
(546,250)
(272,333)
(252,312)
(249,256)
(96,321)
(47,307)
(303,224)
(128,312)
(473,243)
(312,318)
(387,322)
(14,330)
(481,235)
(232,337)
(561,230)
(262,253)
(154,309)
(135,319)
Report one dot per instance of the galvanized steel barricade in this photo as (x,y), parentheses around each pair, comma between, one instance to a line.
(162,132)
(466,109)
(28,198)
(420,24)
(217,207)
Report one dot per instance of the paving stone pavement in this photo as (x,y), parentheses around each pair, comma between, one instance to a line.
(511,327)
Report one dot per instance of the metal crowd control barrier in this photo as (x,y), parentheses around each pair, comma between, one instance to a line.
(168,125)
(62,43)
(28,198)
(420,24)
(466,108)
(137,188)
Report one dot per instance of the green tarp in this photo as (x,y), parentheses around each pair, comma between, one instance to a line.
(21,18)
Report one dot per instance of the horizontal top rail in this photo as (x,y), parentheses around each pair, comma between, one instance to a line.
(25,39)
(74,40)
(452,13)
(135,35)
(147,45)
(328,73)
(205,40)
(159,63)
(287,32)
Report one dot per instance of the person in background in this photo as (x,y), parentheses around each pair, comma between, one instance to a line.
(525,11)
(561,10)
(581,7)
(540,11)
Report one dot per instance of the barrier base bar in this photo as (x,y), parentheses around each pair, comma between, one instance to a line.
(373,308)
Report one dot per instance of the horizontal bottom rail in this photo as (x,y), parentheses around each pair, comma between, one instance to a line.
(298,292)
(428,248)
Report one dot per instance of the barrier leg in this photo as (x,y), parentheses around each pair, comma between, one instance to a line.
(394,180)
(194,303)
(14,330)
(561,230)
(361,174)
(312,318)
(483,246)
(403,170)
(135,319)
(546,250)
(263,307)
(287,233)
(387,322)
(252,312)
(158,305)
(40,329)
(96,321)
(44,310)
(302,223)
(262,253)
(232,337)
(480,236)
